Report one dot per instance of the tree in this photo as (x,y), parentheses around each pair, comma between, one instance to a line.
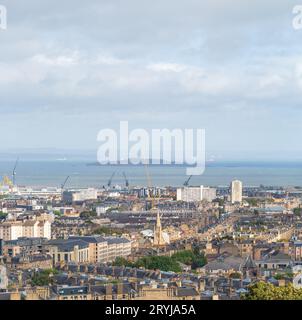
(165,263)
(252,202)
(3,215)
(297,211)
(199,262)
(88,214)
(193,258)
(185,256)
(256,212)
(108,231)
(267,291)
(57,213)
(235,275)
(159,262)
(43,278)
(122,262)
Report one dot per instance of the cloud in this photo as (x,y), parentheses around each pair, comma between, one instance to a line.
(59,61)
(229,66)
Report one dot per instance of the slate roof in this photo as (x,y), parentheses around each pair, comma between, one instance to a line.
(225,263)
(68,245)
(71,290)
(89,239)
(4,296)
(186,292)
(277,257)
(116,240)
(101,289)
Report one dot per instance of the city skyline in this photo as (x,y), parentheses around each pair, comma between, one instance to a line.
(150,154)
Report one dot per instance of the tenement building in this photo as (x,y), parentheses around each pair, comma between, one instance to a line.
(92,249)
(12,230)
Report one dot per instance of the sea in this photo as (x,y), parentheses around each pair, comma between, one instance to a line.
(83,173)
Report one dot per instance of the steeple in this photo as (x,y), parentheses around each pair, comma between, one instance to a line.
(158,235)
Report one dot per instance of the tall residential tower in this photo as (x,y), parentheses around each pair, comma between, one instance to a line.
(236,191)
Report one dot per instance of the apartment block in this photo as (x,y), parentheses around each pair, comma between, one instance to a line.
(102,250)
(194,194)
(12,230)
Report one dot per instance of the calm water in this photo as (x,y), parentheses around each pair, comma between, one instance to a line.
(53,173)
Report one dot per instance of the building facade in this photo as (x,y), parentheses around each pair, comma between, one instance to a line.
(92,249)
(65,251)
(79,195)
(236,191)
(195,194)
(189,194)
(12,230)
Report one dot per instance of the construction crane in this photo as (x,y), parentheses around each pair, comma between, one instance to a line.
(126,180)
(14,171)
(110,180)
(186,183)
(150,187)
(64,183)
(6,182)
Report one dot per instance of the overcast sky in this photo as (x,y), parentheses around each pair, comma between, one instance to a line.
(233,67)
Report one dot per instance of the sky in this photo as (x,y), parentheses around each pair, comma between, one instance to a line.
(70,68)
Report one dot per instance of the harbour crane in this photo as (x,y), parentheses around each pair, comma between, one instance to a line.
(14,171)
(126,180)
(186,183)
(110,180)
(151,190)
(64,183)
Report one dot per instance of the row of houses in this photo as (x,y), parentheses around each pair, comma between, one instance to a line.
(78,249)
(120,291)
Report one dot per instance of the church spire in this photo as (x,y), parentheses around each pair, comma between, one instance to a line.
(158,235)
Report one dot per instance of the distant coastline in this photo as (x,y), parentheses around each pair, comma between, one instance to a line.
(84,173)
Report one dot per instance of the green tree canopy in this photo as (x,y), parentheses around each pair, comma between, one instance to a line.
(165,263)
(43,278)
(267,291)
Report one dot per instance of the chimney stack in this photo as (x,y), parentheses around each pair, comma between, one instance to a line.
(109,289)
(120,288)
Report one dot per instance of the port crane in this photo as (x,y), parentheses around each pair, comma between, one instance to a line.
(14,171)
(110,180)
(186,183)
(151,189)
(64,183)
(126,180)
